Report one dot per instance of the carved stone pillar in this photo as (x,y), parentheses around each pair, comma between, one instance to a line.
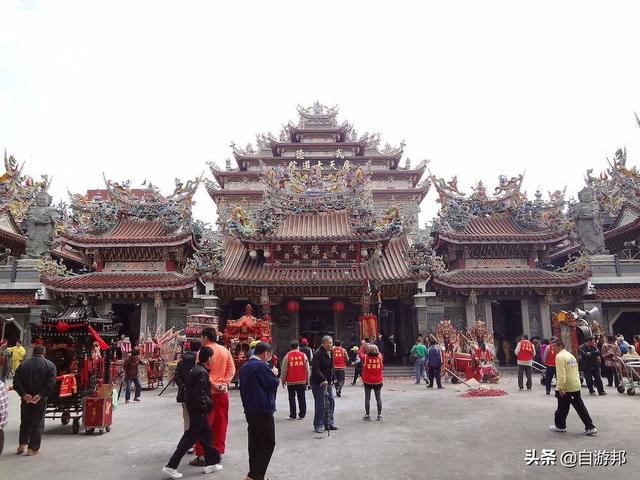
(524,311)
(488,317)
(470,311)
(545,317)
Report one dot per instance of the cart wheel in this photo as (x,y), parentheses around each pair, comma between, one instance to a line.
(620,389)
(108,429)
(89,431)
(66,417)
(631,391)
(75,427)
(454,380)
(101,431)
(543,381)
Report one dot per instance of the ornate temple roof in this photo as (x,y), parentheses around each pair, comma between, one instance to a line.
(507,216)
(132,232)
(617,293)
(12,299)
(131,217)
(509,279)
(498,229)
(102,282)
(239,269)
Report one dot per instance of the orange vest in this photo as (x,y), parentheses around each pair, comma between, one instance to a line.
(296,371)
(339,358)
(526,351)
(551,356)
(372,370)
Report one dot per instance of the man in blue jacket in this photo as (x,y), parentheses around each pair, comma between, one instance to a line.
(258,387)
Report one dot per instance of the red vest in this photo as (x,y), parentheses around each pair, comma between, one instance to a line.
(372,370)
(339,358)
(551,356)
(526,351)
(296,371)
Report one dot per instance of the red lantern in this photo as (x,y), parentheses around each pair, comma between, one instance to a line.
(338,306)
(293,306)
(62,327)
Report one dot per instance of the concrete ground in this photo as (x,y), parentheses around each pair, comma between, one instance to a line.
(425,433)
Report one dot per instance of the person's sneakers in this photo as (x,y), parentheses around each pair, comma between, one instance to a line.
(418,382)
(126,401)
(198,462)
(592,393)
(591,431)
(366,418)
(602,393)
(553,428)
(521,388)
(172,472)
(548,393)
(21,449)
(212,468)
(332,427)
(379,418)
(31,452)
(191,451)
(301,417)
(440,388)
(291,418)
(136,399)
(319,430)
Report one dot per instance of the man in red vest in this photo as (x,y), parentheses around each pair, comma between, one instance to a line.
(340,358)
(549,360)
(295,376)
(525,351)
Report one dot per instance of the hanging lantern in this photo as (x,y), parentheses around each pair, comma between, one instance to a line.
(267,254)
(253,254)
(364,252)
(338,306)
(62,327)
(293,306)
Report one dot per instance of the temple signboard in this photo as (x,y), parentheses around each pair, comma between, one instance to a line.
(135,266)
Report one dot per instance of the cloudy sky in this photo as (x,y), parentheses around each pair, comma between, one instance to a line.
(154,89)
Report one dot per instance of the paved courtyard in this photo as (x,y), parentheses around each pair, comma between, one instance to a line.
(425,433)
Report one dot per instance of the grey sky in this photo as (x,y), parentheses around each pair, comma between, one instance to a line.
(153,89)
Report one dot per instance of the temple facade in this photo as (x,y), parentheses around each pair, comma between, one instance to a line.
(317,226)
(496,250)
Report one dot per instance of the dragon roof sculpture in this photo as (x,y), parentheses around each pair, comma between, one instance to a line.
(457,208)
(17,191)
(94,214)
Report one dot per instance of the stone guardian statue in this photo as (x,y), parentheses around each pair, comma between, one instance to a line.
(588,219)
(41,223)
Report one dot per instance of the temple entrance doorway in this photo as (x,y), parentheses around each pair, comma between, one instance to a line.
(507,327)
(316,321)
(628,325)
(129,315)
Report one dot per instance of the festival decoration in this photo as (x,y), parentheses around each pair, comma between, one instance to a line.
(293,306)
(368,325)
(338,306)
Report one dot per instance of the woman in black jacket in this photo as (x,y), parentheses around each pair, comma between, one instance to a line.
(181,377)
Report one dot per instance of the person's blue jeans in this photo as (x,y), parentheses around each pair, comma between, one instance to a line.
(318,397)
(419,369)
(127,392)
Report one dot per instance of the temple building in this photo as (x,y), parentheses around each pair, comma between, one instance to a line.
(317,227)
(496,250)
(138,244)
(615,279)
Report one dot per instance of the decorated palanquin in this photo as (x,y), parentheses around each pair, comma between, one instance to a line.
(77,342)
(239,334)
(573,330)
